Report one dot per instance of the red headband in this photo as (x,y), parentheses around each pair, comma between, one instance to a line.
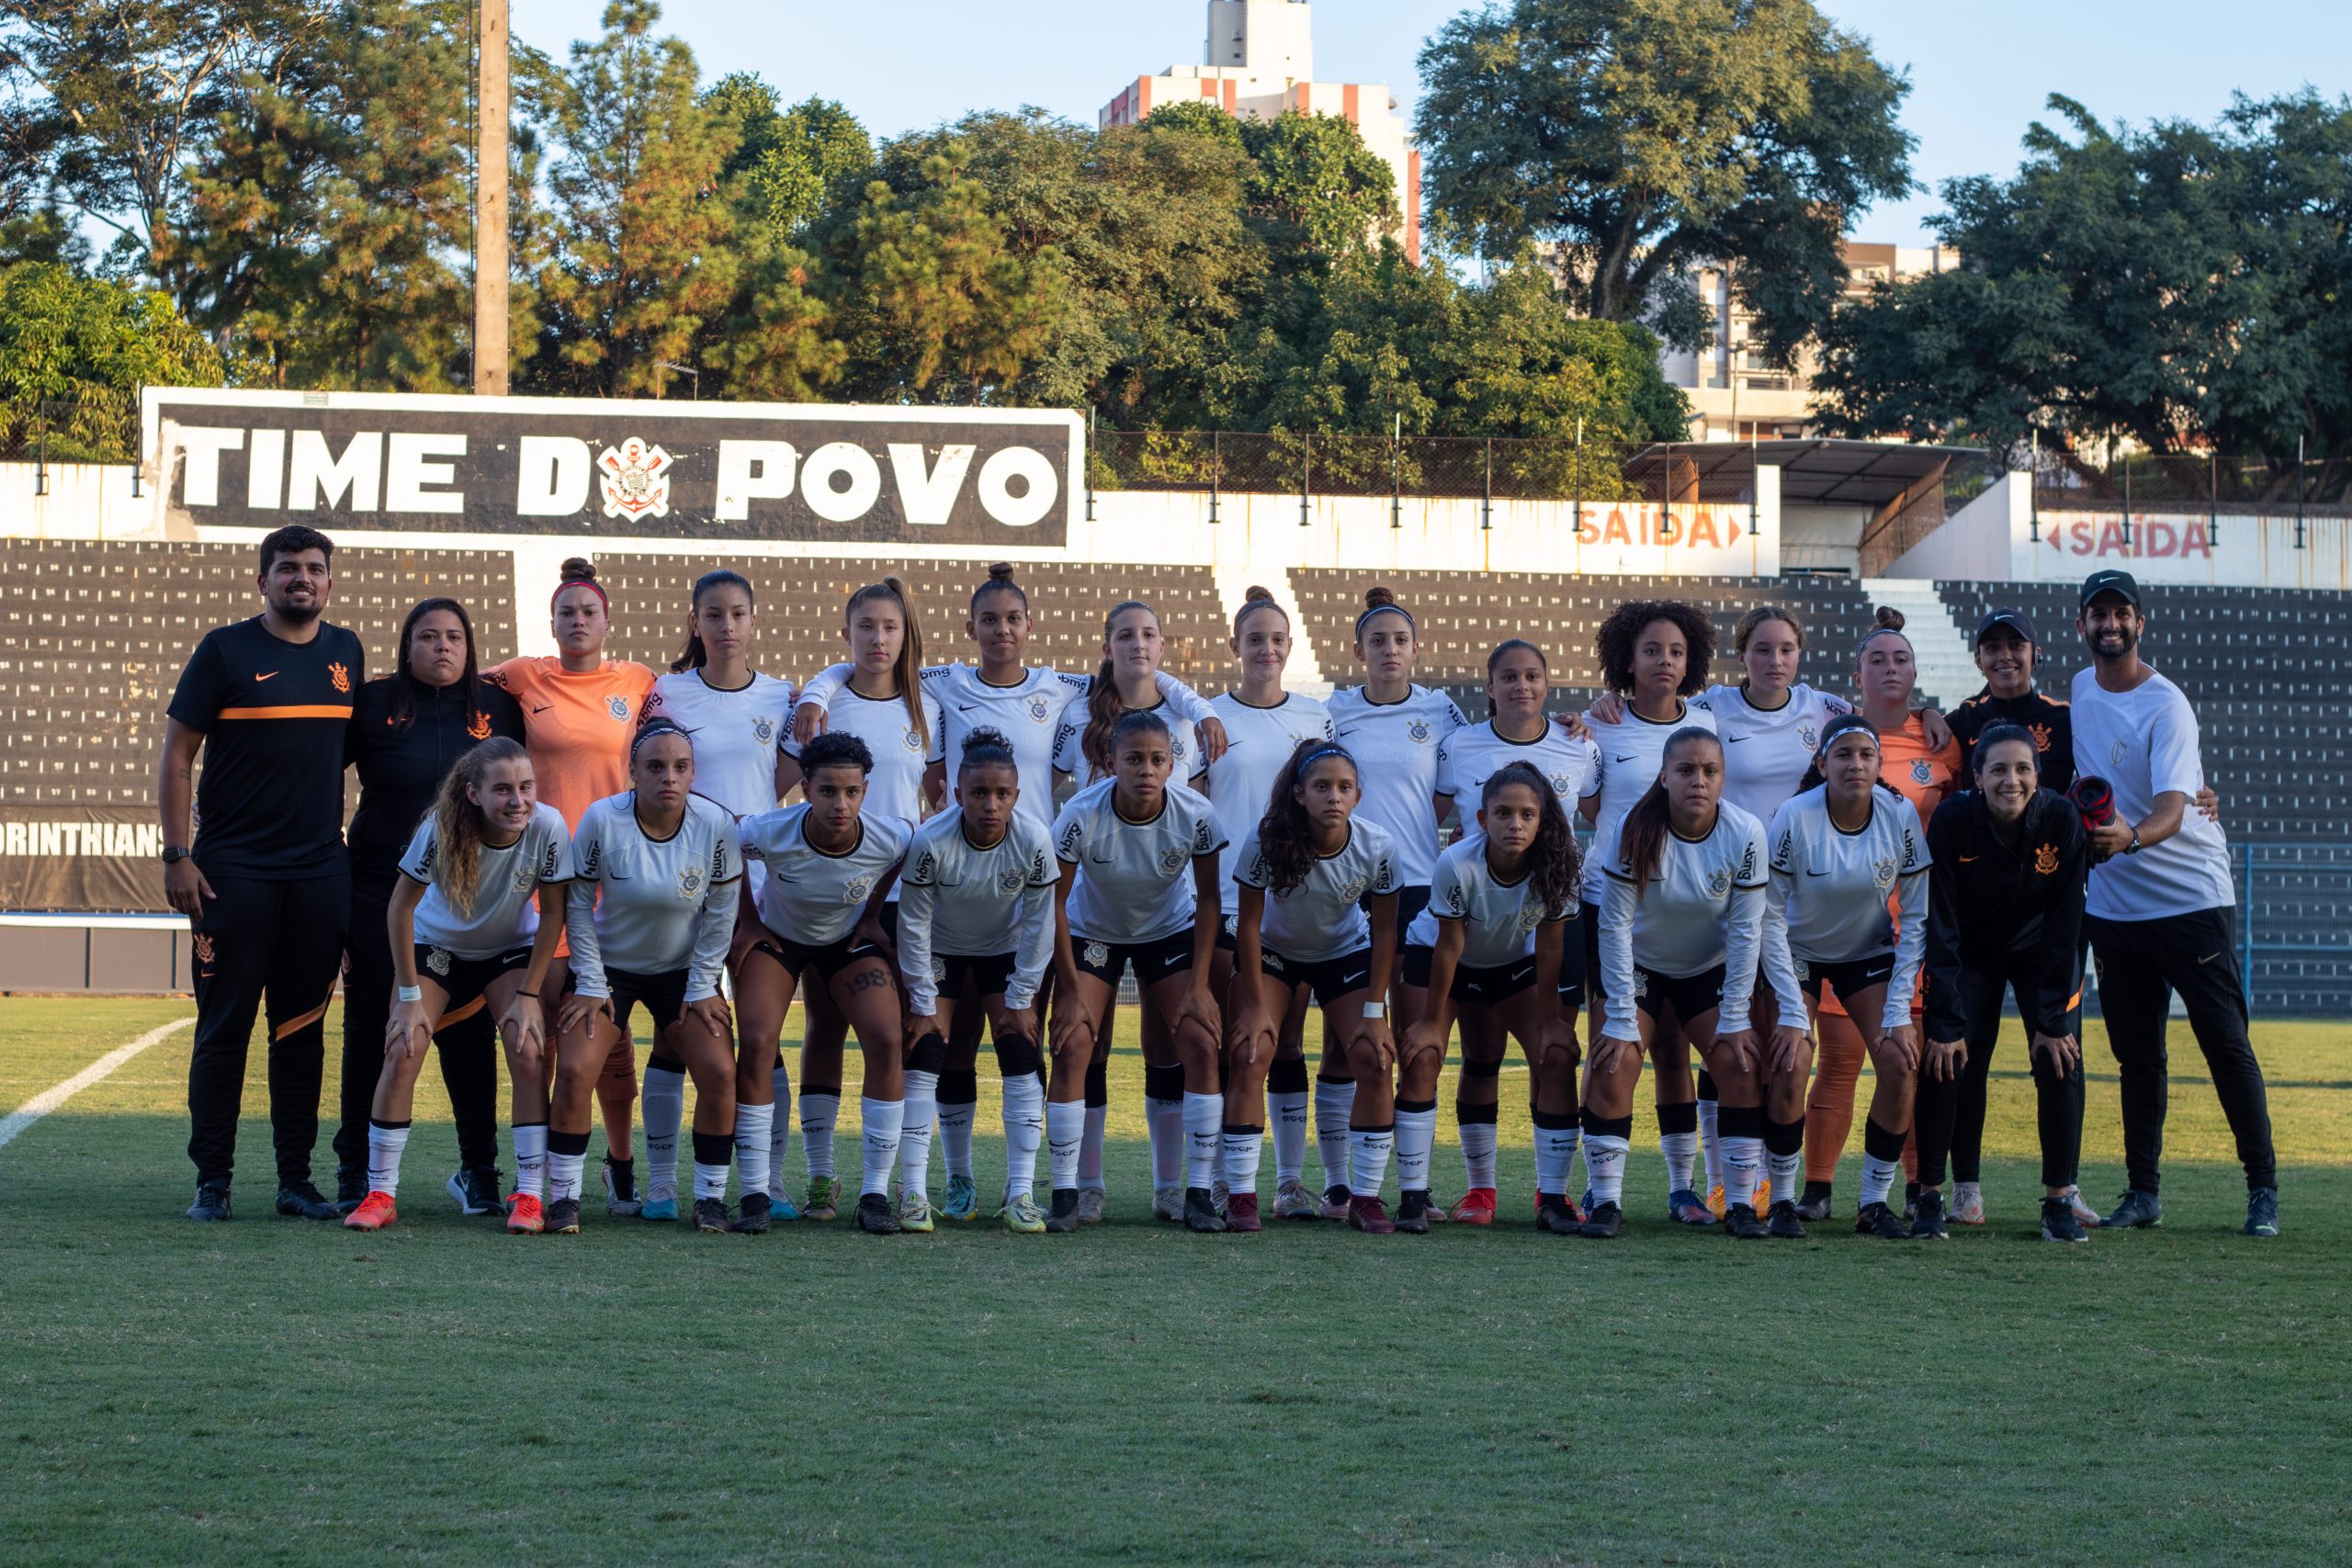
(589,583)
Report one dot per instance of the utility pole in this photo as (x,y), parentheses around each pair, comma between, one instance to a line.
(490,200)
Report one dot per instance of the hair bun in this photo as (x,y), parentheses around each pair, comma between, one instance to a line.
(1001,572)
(1888,618)
(1379,596)
(578,568)
(1257,593)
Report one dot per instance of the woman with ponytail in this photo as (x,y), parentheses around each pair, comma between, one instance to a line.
(580,713)
(1680,923)
(465,932)
(1488,951)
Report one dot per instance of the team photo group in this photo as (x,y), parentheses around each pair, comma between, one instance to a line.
(562,859)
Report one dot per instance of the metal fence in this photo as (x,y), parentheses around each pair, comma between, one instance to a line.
(2295,927)
(2191,481)
(98,430)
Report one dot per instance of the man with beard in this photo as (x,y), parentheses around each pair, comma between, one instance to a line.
(264,885)
(2162,914)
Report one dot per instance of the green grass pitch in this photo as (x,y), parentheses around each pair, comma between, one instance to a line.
(277,1391)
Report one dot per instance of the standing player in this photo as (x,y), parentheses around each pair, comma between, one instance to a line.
(830,862)
(2005,912)
(650,911)
(1394,728)
(1263,725)
(1488,949)
(473,923)
(2006,652)
(738,719)
(266,887)
(579,714)
(1680,931)
(2162,912)
(976,919)
(1839,851)
(408,730)
(1303,872)
(1126,897)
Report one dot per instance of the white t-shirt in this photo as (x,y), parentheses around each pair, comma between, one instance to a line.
(1705,908)
(735,734)
(900,750)
(1134,879)
(1257,741)
(664,905)
(1321,918)
(1394,745)
(1474,753)
(2143,742)
(1499,919)
(966,902)
(506,912)
(1183,747)
(1829,898)
(1631,752)
(1767,750)
(811,896)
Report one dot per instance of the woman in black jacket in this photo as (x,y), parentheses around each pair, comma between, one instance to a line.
(2004,907)
(407,730)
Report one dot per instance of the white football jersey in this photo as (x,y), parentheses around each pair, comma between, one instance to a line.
(2144,743)
(1829,901)
(1767,750)
(1134,879)
(1257,741)
(1321,918)
(1704,907)
(505,914)
(1499,919)
(735,734)
(648,906)
(1631,752)
(900,750)
(1183,747)
(1394,745)
(962,901)
(1474,753)
(810,897)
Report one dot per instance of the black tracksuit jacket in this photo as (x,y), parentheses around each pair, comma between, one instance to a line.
(2015,910)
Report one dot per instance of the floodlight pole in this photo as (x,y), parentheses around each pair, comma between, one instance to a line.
(490,200)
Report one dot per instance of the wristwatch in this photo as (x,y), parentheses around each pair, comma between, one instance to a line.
(175,854)
(2134,847)
(1375,1010)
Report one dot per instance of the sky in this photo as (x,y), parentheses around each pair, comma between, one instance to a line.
(1979,72)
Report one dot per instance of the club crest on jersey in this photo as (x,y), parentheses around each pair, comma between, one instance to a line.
(635,477)
(1097,954)
(1039,710)
(2117,753)
(526,874)
(1808,737)
(764,729)
(1529,917)
(1883,873)
(2045,860)
(437,960)
(690,882)
(914,739)
(617,707)
(1921,772)
(1352,889)
(1418,731)
(1559,783)
(854,890)
(938,969)
(1008,882)
(1719,882)
(478,727)
(2041,733)
(340,676)
(1172,858)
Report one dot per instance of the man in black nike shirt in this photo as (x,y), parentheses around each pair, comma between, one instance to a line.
(264,885)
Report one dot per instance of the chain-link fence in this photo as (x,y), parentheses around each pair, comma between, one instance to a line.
(93,430)
(2191,481)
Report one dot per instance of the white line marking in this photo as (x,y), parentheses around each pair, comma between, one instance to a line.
(56,1095)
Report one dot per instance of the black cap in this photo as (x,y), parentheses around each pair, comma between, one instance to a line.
(2016,620)
(2109,581)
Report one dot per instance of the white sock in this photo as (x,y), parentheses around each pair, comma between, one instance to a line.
(385,1146)
(818,1114)
(1167,1123)
(1879,1176)
(1743,1168)
(1681,1153)
(1203,1136)
(710,1181)
(955,1138)
(1478,1153)
(880,1119)
(921,1104)
(563,1176)
(1334,1103)
(1288,1109)
(1783,1170)
(531,1159)
(1241,1152)
(1555,1156)
(1025,1128)
(1065,1131)
(780,1137)
(755,1128)
(1711,1148)
(1368,1160)
(1604,1168)
(1089,1147)
(1416,1141)
(665,1101)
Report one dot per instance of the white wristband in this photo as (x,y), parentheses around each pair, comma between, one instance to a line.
(1375,1010)
(410,993)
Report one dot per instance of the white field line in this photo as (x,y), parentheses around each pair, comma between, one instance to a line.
(56,1095)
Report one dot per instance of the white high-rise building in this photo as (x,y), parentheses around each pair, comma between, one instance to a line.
(1258,61)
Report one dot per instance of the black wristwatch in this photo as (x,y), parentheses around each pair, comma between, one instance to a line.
(175,854)
(2134,847)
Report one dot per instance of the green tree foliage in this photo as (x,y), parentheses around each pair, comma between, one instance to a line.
(2182,287)
(84,348)
(1638,139)
(788,163)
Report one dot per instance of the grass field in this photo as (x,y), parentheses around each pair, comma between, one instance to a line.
(277,1391)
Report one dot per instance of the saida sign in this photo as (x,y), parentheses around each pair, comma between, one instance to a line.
(617,469)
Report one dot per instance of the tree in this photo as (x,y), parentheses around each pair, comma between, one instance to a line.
(788,163)
(84,348)
(1638,139)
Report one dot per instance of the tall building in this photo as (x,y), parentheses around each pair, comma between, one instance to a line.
(1257,61)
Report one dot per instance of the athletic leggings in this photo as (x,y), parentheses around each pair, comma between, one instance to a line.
(2058,1101)
(1829,1105)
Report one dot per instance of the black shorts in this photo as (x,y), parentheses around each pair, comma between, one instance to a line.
(1329,978)
(664,995)
(1850,977)
(1690,996)
(830,959)
(1154,961)
(1575,963)
(466,978)
(1410,902)
(1587,917)
(1228,932)
(951,972)
(1484,985)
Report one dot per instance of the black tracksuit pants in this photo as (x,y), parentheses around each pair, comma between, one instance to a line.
(467,1049)
(2141,965)
(276,942)
(1940,1111)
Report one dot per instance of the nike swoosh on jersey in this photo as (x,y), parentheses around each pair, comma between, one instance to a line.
(965,707)
(543,707)
(2209,958)
(1736,740)
(1625,759)
(271,676)
(1810,872)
